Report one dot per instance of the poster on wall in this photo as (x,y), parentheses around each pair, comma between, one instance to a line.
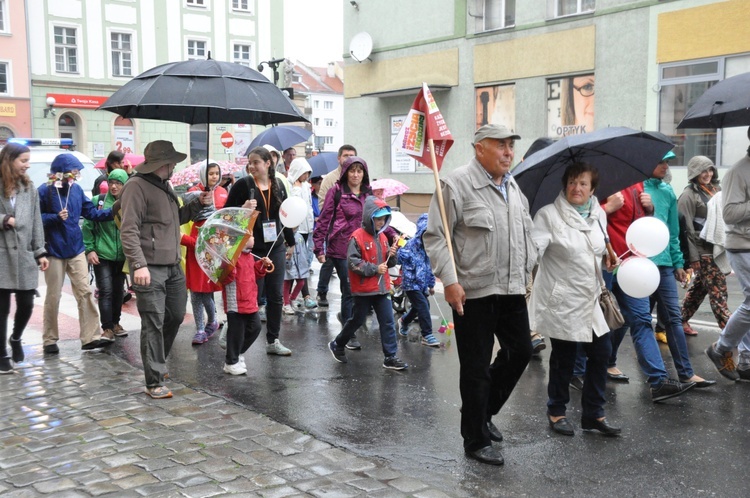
(125,139)
(496,105)
(401,162)
(570,106)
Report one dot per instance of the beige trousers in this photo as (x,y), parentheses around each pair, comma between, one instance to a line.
(77,269)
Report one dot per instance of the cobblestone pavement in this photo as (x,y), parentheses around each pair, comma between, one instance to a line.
(80,425)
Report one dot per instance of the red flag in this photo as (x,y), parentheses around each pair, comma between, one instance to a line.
(425,122)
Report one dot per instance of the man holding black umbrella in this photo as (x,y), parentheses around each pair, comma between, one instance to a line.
(150,233)
(489,222)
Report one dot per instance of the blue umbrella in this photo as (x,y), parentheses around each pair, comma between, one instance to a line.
(281,137)
(323,163)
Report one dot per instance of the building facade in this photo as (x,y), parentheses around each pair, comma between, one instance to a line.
(81,51)
(15,99)
(544,68)
(323,92)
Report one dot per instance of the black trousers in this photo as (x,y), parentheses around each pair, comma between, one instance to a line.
(24,308)
(486,385)
(242,331)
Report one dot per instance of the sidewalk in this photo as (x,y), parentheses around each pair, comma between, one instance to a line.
(80,425)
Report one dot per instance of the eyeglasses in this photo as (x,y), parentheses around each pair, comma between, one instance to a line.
(586,90)
(114,183)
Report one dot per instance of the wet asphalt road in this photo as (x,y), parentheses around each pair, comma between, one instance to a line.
(695,445)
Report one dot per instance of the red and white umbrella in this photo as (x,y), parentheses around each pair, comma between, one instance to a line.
(390,187)
(190,175)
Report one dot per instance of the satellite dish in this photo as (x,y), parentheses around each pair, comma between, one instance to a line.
(360,47)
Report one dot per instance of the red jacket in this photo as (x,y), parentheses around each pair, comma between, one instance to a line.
(241,289)
(362,260)
(197,280)
(220,194)
(619,221)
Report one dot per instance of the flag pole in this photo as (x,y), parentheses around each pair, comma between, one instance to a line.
(441,204)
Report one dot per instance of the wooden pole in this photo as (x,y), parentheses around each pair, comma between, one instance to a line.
(441,204)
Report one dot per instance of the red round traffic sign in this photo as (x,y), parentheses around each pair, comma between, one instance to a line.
(227,140)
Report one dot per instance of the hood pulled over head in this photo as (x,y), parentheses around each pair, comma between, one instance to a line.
(348,163)
(297,168)
(375,208)
(65,163)
(699,164)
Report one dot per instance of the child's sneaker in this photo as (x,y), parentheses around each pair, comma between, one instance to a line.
(287,309)
(310,303)
(430,340)
(338,354)
(199,338)
(394,363)
(236,369)
(211,329)
(403,330)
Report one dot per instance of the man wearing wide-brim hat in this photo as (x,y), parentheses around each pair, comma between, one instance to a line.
(150,232)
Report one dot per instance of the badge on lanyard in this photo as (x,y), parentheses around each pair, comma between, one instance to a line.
(269,231)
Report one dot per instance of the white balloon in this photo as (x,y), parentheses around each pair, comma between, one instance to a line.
(647,236)
(638,277)
(292,212)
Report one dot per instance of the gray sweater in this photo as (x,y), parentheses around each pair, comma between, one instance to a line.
(21,245)
(736,210)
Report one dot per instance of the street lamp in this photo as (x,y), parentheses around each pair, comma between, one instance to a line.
(50,107)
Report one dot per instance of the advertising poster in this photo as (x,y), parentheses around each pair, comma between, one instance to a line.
(401,162)
(570,106)
(496,105)
(125,139)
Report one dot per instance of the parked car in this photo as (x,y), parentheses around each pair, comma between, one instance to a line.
(44,151)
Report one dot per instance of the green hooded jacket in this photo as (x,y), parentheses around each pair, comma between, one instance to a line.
(665,209)
(104,237)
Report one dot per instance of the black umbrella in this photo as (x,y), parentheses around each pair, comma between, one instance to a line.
(202,92)
(622,156)
(281,137)
(724,105)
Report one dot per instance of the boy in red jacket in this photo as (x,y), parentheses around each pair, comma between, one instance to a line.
(241,304)
(368,259)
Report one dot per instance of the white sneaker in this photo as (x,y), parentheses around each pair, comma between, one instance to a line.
(236,369)
(287,309)
(242,362)
(278,349)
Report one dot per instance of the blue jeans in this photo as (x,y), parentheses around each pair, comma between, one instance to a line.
(111,282)
(561,362)
(381,303)
(668,307)
(326,271)
(420,306)
(638,317)
(737,332)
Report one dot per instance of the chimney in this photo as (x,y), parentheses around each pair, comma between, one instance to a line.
(331,72)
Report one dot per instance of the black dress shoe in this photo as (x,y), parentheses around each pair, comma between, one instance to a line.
(698,385)
(95,345)
(562,426)
(495,433)
(488,455)
(51,349)
(592,424)
(576,383)
(620,377)
(17,349)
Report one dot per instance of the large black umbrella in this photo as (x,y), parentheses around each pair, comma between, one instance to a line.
(622,156)
(202,92)
(281,137)
(724,105)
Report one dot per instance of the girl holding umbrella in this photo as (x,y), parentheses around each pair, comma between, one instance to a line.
(262,186)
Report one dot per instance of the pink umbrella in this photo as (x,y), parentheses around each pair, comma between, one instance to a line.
(133,159)
(190,174)
(390,187)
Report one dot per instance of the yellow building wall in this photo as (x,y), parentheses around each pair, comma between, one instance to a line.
(435,68)
(562,52)
(707,31)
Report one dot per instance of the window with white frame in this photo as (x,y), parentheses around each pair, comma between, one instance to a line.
(122,54)
(196,49)
(317,121)
(66,50)
(4,77)
(327,140)
(4,28)
(329,122)
(241,5)
(494,14)
(196,3)
(327,104)
(572,7)
(242,54)
(316,104)
(681,84)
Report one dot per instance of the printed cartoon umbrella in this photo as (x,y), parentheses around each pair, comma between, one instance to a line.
(221,241)
(323,163)
(133,159)
(201,92)
(190,174)
(725,104)
(281,137)
(391,188)
(622,155)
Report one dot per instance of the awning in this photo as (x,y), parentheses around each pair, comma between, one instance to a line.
(412,90)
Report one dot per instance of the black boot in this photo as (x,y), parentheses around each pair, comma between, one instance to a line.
(17,349)
(6,367)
